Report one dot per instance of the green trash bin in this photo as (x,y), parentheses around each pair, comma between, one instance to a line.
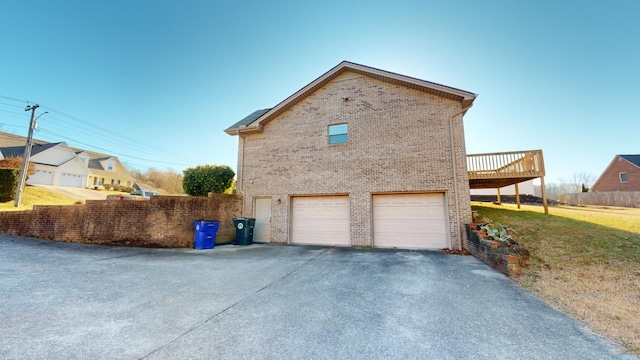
(244,230)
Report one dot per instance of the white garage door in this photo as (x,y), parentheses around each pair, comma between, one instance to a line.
(71,180)
(43,177)
(410,221)
(320,220)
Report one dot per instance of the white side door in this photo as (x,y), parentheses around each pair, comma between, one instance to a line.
(262,213)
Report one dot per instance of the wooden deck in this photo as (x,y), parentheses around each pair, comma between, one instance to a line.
(496,170)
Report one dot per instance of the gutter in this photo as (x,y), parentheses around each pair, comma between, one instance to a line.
(455,173)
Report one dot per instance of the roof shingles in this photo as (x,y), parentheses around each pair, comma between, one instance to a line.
(634,159)
(249,118)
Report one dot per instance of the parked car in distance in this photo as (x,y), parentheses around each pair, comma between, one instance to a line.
(145,194)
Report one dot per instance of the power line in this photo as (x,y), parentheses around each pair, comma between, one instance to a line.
(158,149)
(17,106)
(13,125)
(14,99)
(18,126)
(11,112)
(92,132)
(128,142)
(117,136)
(112,152)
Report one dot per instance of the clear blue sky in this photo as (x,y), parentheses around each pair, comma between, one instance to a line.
(157,82)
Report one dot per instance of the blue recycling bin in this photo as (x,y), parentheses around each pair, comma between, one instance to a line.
(205,234)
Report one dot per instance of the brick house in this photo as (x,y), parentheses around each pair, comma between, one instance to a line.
(622,174)
(358,157)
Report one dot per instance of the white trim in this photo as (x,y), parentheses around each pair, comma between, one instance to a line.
(620,177)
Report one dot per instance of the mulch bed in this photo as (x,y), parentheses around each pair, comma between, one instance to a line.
(511,199)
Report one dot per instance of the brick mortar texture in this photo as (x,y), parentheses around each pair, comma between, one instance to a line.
(164,221)
(398,142)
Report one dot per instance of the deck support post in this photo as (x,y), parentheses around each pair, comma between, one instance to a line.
(499,197)
(544,196)
(517,195)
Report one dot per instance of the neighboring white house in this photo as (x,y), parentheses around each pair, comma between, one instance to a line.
(58,164)
(525,188)
(104,169)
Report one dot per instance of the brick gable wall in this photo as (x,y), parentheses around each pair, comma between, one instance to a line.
(398,142)
(610,180)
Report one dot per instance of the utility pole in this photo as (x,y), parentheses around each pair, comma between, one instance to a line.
(26,156)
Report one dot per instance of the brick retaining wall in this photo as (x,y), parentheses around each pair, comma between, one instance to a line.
(163,221)
(488,251)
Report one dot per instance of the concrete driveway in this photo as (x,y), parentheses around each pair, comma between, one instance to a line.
(76,193)
(67,301)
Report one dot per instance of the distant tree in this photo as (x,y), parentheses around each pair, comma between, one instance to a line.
(201,180)
(581,181)
(167,182)
(555,190)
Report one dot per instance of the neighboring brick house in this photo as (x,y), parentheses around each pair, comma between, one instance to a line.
(622,174)
(358,157)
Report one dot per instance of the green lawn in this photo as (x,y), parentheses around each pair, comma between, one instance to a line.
(585,261)
(37,196)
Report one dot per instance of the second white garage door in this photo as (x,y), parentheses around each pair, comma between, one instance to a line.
(410,221)
(320,220)
(71,180)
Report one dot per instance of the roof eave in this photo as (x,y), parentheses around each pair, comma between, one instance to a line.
(466,98)
(243,129)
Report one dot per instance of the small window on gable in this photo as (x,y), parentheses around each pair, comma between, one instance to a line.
(623,177)
(84,161)
(338,134)
(110,166)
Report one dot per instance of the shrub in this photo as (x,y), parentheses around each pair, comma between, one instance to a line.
(201,180)
(127,189)
(107,186)
(8,183)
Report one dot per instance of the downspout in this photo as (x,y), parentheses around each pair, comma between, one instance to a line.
(455,174)
(240,138)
